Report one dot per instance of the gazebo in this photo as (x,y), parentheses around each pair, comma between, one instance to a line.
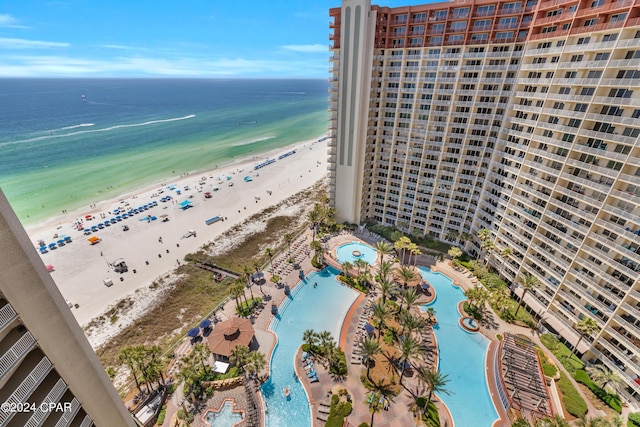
(229,334)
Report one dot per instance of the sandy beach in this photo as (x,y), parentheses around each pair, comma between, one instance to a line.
(153,248)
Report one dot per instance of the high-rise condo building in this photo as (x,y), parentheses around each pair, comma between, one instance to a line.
(521,117)
(49,374)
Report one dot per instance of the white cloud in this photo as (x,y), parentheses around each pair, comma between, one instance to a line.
(65,66)
(307,48)
(9,21)
(8,43)
(120,47)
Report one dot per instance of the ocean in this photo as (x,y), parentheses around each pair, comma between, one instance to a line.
(67,143)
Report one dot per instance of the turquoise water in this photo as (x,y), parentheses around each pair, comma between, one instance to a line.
(225,418)
(345,253)
(60,152)
(320,308)
(462,356)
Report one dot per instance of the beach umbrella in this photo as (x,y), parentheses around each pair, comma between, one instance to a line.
(205,323)
(88,216)
(193,332)
(52,245)
(50,268)
(369,329)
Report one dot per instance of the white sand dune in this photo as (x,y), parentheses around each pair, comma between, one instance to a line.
(81,268)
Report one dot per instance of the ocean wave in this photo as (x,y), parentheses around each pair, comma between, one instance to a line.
(110,128)
(252,141)
(81,125)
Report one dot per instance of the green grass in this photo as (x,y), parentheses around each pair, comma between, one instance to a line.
(548,368)
(571,399)
(562,353)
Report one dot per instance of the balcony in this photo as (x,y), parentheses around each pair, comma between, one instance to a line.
(24,390)
(7,314)
(53,396)
(68,416)
(16,352)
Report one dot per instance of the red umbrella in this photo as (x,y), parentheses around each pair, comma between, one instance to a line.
(50,268)
(88,216)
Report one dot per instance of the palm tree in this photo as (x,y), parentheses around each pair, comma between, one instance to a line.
(484,234)
(384,269)
(410,322)
(346,266)
(409,348)
(269,253)
(409,297)
(379,312)
(127,356)
(383,249)
(401,246)
(315,217)
(317,247)
(370,349)
(256,363)
(431,315)
(434,381)
(528,283)
(406,274)
(585,327)
(506,252)
(189,373)
(240,356)
(237,290)
(248,272)
(454,252)
(387,288)
(464,237)
(310,337)
(452,235)
(288,238)
(605,378)
(202,352)
(477,297)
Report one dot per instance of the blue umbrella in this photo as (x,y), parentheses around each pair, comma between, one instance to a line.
(194,332)
(205,323)
(369,329)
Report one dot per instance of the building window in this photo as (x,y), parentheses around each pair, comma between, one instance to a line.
(485,10)
(512,7)
(584,40)
(609,37)
(419,17)
(618,17)
(400,19)
(479,37)
(510,22)
(458,26)
(399,31)
(437,28)
(590,22)
(504,35)
(460,12)
(440,15)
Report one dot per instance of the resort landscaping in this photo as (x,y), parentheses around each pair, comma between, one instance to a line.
(386,357)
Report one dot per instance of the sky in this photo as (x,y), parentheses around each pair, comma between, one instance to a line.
(167,38)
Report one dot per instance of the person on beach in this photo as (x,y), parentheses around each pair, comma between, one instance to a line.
(160,239)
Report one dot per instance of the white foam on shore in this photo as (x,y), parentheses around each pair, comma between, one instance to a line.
(252,141)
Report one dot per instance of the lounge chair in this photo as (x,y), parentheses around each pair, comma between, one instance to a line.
(314,379)
(322,417)
(323,409)
(313,373)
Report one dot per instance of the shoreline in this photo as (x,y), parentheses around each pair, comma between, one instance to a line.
(80,268)
(146,186)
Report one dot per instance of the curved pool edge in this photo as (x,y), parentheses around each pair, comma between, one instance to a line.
(275,320)
(490,368)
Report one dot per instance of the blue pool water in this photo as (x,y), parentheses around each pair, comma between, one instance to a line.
(225,418)
(462,357)
(320,308)
(346,253)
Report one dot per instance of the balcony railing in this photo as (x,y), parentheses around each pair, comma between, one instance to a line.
(7,314)
(24,390)
(53,396)
(17,351)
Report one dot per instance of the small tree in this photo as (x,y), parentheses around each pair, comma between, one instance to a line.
(528,283)
(585,327)
(605,378)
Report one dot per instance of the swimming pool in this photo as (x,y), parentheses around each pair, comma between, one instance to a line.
(355,250)
(462,356)
(225,417)
(320,308)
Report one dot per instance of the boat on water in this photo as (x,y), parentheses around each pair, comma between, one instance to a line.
(250,122)
(84,98)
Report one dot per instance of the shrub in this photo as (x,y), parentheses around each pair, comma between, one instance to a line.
(548,368)
(571,399)
(363,425)
(339,364)
(306,347)
(634,419)
(338,411)
(613,400)
(161,415)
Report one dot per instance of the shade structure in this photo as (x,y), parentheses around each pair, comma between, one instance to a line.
(369,329)
(93,239)
(425,286)
(229,334)
(205,323)
(193,332)
(257,276)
